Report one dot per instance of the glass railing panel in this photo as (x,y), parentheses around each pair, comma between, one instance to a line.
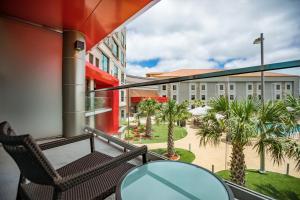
(222,113)
(96,103)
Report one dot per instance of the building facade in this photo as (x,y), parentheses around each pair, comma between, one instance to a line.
(109,55)
(244,86)
(136,95)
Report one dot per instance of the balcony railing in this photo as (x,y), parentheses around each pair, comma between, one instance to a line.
(237,84)
(239,192)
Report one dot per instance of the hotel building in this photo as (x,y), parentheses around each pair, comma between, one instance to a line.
(242,86)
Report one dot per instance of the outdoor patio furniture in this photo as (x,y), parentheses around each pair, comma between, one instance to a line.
(171,180)
(93,176)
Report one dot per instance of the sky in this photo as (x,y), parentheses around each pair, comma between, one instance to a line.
(201,34)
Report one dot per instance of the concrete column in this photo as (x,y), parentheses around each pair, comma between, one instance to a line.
(73,80)
(92,103)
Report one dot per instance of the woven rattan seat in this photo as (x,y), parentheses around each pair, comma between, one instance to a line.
(93,176)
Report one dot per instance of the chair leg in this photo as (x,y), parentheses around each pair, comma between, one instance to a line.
(21,180)
(92,144)
(57,195)
(144,158)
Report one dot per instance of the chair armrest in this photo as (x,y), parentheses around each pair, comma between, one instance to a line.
(61,142)
(71,181)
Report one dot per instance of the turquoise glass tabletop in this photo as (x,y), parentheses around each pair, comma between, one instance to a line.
(171,180)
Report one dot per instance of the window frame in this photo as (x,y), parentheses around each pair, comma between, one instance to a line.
(91,58)
(114,43)
(102,63)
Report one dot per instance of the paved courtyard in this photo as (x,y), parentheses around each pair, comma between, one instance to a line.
(215,155)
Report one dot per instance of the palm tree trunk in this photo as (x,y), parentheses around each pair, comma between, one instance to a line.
(148,126)
(237,165)
(262,169)
(138,121)
(170,149)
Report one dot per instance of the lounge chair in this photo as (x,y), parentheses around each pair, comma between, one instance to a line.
(93,176)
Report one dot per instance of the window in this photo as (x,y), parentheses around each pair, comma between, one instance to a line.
(221,87)
(193,97)
(122,77)
(288,86)
(122,58)
(116,72)
(259,96)
(97,62)
(105,63)
(115,49)
(164,95)
(122,96)
(122,114)
(174,97)
(249,96)
(193,87)
(231,87)
(203,87)
(122,39)
(278,96)
(249,86)
(164,87)
(192,106)
(277,87)
(203,97)
(91,58)
(231,97)
(259,86)
(174,87)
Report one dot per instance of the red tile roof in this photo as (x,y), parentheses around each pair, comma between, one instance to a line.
(188,72)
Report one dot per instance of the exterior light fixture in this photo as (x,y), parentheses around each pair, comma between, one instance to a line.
(79,45)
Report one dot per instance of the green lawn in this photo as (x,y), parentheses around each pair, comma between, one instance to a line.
(278,186)
(185,155)
(160,134)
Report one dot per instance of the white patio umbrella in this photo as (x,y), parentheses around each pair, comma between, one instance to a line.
(219,116)
(199,111)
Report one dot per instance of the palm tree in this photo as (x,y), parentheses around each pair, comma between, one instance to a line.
(184,114)
(158,115)
(147,108)
(292,150)
(292,147)
(171,113)
(293,103)
(293,117)
(239,117)
(270,125)
(196,103)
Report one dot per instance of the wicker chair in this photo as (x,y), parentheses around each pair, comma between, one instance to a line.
(93,176)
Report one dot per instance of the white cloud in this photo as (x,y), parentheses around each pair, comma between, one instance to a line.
(186,34)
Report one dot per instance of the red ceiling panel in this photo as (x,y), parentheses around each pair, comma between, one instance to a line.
(95,18)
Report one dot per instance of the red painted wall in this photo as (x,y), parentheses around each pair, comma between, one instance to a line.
(107,122)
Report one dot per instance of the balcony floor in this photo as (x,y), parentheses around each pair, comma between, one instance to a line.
(58,157)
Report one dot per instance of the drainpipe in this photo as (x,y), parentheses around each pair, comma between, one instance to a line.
(73,83)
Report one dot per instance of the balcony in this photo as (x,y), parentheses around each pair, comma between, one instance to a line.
(36,97)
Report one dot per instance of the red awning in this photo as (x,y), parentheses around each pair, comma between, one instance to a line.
(95,18)
(100,76)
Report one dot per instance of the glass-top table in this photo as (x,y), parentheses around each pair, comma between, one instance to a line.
(162,180)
